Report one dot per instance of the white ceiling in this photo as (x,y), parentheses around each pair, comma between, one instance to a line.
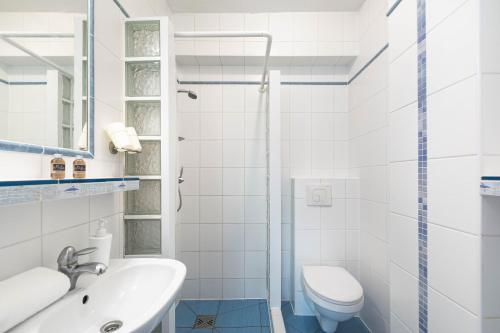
(258,6)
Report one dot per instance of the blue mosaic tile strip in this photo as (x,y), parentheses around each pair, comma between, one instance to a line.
(309,324)
(422,169)
(232,316)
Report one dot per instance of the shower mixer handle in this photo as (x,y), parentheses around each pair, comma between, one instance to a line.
(180,180)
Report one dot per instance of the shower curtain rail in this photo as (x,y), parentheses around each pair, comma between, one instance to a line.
(235,34)
(7,37)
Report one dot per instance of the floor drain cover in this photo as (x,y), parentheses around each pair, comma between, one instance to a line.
(204,322)
(111,326)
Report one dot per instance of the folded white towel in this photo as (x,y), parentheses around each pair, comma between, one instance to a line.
(23,295)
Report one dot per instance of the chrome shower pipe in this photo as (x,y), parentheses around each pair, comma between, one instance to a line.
(190,93)
(235,34)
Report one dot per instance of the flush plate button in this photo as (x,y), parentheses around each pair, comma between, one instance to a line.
(319,195)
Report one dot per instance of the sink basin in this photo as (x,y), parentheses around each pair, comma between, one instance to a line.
(134,295)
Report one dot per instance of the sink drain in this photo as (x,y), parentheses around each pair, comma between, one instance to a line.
(111,326)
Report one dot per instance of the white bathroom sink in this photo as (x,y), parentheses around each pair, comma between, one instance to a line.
(135,292)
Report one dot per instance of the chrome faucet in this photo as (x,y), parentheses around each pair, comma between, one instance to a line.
(67,263)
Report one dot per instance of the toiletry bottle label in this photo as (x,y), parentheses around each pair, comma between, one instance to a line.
(58,167)
(80,168)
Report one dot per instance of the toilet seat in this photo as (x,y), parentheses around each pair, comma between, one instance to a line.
(334,285)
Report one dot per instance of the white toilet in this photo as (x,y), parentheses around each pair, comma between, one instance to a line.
(333,294)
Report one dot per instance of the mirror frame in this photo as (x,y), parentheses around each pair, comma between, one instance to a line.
(7,145)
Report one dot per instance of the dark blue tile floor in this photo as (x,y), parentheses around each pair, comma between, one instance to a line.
(232,316)
(308,324)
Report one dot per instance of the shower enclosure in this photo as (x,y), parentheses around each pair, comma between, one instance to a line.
(228,231)
(231,190)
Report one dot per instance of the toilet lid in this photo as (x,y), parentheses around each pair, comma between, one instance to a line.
(333,284)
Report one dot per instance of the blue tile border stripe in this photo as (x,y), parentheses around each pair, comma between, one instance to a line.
(284,83)
(292,83)
(122,9)
(494,178)
(422,169)
(315,83)
(91,77)
(382,50)
(23,83)
(393,7)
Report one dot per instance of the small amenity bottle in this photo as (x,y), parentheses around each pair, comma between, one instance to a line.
(57,167)
(102,240)
(79,167)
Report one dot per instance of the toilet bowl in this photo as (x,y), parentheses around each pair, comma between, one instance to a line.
(332,293)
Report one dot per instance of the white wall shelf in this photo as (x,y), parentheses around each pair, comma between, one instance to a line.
(26,191)
(192,59)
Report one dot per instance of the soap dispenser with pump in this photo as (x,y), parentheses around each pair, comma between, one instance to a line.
(102,241)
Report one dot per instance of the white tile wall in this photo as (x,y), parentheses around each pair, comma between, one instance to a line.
(224,159)
(404,298)
(314,144)
(321,235)
(444,66)
(30,238)
(451,315)
(453,148)
(490,83)
(369,152)
(381,149)
(303,35)
(452,251)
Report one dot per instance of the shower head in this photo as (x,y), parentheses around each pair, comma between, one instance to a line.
(191,94)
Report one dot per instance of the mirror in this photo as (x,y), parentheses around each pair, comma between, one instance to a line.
(44,59)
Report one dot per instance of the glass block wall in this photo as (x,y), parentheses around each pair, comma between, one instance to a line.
(143,211)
